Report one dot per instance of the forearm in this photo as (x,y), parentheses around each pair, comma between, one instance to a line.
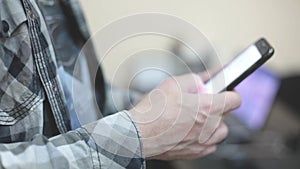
(119,99)
(112,142)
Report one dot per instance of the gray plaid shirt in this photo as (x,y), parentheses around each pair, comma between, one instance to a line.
(32,98)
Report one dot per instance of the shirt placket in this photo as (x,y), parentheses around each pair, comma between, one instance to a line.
(46,67)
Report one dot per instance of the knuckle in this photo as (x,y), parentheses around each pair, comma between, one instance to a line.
(206,106)
(201,118)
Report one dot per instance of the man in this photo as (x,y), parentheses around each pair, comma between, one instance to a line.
(41,114)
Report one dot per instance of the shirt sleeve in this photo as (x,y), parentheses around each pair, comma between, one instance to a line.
(111,142)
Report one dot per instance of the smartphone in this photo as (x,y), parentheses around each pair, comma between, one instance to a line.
(240,67)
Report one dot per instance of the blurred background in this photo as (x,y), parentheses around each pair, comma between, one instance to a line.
(265,131)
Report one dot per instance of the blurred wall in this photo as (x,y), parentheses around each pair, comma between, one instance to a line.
(230,25)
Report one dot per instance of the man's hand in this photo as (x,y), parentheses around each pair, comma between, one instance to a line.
(178,120)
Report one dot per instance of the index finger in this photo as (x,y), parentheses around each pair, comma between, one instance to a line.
(217,104)
(232,100)
(223,102)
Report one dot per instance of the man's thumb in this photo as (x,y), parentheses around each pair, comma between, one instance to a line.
(191,83)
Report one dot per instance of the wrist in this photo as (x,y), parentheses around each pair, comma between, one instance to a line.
(148,148)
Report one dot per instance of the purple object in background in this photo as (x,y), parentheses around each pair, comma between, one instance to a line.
(258,92)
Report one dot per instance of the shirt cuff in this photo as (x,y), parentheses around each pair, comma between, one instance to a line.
(115,142)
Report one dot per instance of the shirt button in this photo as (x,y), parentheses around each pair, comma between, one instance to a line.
(5,26)
(54,88)
(31,14)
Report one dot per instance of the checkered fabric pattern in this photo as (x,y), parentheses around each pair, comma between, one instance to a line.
(29,79)
(20,89)
(108,143)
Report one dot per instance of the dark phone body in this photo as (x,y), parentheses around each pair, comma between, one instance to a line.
(265,50)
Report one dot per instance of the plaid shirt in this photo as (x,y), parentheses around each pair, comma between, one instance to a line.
(34,120)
